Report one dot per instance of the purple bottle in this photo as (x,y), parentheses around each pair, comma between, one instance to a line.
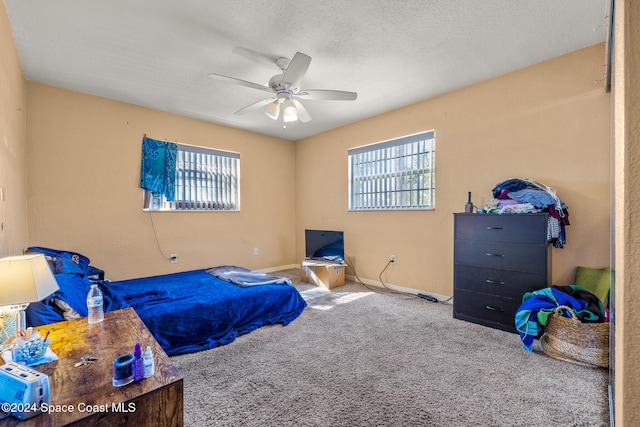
(138,365)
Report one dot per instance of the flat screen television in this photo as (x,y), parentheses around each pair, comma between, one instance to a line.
(324,245)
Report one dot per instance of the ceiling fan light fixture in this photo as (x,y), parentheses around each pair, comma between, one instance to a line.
(273,110)
(286,89)
(290,113)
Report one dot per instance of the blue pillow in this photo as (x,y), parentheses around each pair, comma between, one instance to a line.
(78,258)
(39,313)
(73,290)
(65,265)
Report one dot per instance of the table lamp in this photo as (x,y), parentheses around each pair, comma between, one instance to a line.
(25,279)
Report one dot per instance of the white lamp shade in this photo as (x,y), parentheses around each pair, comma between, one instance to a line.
(25,279)
(273,110)
(290,114)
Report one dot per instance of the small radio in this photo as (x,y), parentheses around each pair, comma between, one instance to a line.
(23,390)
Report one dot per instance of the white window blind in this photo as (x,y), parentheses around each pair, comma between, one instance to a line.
(394,174)
(206,180)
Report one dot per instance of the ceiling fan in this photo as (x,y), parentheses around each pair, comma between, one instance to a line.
(286,90)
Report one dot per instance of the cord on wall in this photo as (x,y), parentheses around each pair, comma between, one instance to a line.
(423,296)
(387,290)
(391,261)
(155,235)
(360,281)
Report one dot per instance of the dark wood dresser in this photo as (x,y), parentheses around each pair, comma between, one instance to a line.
(497,258)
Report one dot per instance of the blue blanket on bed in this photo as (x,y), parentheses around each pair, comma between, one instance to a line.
(194,310)
(186,312)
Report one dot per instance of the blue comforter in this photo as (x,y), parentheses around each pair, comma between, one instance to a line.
(194,310)
(186,312)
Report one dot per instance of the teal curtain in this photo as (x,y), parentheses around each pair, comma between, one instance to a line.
(159,167)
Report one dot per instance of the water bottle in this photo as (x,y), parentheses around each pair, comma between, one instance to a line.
(94,305)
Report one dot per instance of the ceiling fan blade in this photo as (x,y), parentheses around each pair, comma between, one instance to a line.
(255,106)
(303,114)
(240,82)
(296,70)
(328,95)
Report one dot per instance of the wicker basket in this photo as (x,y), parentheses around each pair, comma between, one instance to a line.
(568,338)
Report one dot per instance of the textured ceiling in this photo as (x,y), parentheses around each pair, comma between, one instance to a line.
(158,53)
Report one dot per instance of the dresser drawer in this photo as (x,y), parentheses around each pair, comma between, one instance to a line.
(523,228)
(502,255)
(488,310)
(510,284)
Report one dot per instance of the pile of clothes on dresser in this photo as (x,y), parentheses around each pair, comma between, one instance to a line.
(530,196)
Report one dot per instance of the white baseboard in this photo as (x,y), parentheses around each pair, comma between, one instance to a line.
(368,282)
(378,284)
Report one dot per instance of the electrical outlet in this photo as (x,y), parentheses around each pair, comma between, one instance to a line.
(173,258)
(392,259)
(256,251)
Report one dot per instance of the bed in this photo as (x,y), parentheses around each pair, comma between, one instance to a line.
(186,312)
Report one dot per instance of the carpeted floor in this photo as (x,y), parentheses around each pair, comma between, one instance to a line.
(357,357)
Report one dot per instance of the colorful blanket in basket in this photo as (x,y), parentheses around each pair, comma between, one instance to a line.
(533,314)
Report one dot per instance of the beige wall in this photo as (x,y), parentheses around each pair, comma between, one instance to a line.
(84,195)
(627,215)
(549,122)
(13,159)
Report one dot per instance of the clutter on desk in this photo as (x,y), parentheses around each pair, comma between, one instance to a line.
(133,367)
(30,349)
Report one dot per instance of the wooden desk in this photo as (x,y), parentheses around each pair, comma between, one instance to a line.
(88,390)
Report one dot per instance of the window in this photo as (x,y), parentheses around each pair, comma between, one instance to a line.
(206,180)
(395,174)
